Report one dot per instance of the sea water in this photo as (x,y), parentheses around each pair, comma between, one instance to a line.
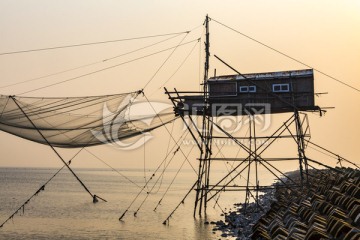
(64,210)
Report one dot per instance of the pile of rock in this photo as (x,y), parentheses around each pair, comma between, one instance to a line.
(239,223)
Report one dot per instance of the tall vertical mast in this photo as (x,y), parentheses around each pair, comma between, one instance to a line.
(207,126)
(207,47)
(207,129)
(204,163)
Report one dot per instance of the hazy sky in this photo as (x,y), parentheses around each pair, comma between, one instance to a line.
(323,34)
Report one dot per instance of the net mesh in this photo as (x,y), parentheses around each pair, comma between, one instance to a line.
(77,121)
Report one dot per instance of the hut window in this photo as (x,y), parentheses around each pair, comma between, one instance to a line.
(252,88)
(245,89)
(285,87)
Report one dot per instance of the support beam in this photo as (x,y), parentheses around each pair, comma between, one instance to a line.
(93,196)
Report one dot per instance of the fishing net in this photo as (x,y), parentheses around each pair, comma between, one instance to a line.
(79,121)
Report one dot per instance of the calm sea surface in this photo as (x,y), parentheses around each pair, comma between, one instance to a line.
(65,210)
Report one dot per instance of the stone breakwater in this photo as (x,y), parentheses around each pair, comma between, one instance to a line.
(239,222)
(326,207)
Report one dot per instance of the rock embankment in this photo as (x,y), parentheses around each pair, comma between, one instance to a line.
(327,206)
(239,222)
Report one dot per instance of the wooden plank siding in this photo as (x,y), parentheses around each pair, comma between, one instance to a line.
(249,91)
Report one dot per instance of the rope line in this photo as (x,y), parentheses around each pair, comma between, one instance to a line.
(89,64)
(333,155)
(162,173)
(288,56)
(171,135)
(179,67)
(42,188)
(60,157)
(114,169)
(107,68)
(167,151)
(173,180)
(173,51)
(88,44)
(144,161)
(5,105)
(181,64)
(148,181)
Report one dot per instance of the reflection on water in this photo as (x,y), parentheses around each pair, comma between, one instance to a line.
(65,210)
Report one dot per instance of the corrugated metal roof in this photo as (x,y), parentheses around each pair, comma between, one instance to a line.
(265,75)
